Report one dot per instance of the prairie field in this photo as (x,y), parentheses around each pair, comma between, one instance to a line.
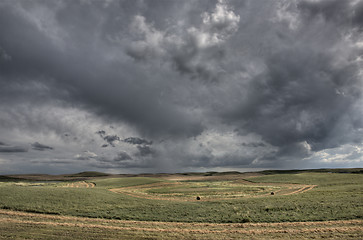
(302,205)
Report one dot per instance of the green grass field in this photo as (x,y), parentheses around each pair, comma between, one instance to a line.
(298,197)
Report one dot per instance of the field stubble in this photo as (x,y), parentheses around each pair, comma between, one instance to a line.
(306,205)
(87,228)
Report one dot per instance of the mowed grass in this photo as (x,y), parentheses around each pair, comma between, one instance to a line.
(20,225)
(337,197)
(205,190)
(125,182)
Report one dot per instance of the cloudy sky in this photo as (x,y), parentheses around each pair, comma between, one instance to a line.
(128,86)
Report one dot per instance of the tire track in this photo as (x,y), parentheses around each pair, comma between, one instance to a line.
(10,214)
(301,190)
(126,190)
(82,184)
(156,228)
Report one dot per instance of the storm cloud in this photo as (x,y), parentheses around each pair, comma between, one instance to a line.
(181,85)
(12,149)
(138,141)
(40,147)
(111,139)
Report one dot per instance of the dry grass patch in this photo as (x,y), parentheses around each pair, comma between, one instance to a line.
(89,228)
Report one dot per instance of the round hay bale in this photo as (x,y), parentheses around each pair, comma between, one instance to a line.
(272,193)
(198,198)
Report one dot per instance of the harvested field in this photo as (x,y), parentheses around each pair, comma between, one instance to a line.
(215,188)
(81,184)
(223,198)
(51,225)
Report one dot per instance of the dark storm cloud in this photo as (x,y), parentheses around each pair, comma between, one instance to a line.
(122,156)
(111,139)
(102,133)
(342,12)
(358,15)
(289,152)
(80,69)
(12,149)
(329,9)
(123,160)
(228,160)
(81,157)
(254,144)
(285,76)
(137,141)
(145,150)
(298,98)
(40,147)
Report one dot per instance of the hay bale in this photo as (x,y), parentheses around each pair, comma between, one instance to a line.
(198,198)
(272,193)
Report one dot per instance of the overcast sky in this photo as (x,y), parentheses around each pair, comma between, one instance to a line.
(171,86)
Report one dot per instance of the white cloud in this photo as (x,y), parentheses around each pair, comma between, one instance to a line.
(344,156)
(85,155)
(286,11)
(195,50)
(221,23)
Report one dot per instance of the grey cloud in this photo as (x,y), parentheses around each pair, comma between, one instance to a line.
(195,50)
(122,156)
(86,155)
(52,162)
(12,149)
(82,157)
(287,156)
(342,12)
(297,99)
(254,144)
(40,147)
(123,160)
(358,15)
(355,155)
(102,133)
(111,139)
(145,150)
(138,141)
(294,150)
(79,84)
(229,160)
(4,56)
(329,9)
(286,72)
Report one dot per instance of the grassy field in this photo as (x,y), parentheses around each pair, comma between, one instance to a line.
(242,201)
(20,225)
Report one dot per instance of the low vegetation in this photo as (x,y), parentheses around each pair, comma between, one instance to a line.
(20,225)
(125,182)
(88,174)
(224,199)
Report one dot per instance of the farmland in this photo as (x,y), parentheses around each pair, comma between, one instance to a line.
(258,205)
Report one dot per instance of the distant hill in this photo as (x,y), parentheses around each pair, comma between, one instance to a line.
(93,174)
(9,179)
(88,174)
(323,170)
